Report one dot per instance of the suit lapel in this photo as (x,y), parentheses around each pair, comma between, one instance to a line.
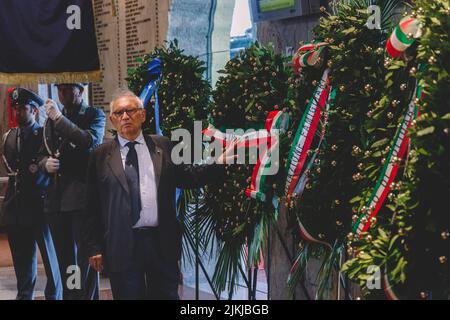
(156,155)
(115,163)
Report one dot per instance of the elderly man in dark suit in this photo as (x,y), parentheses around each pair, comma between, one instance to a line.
(132,229)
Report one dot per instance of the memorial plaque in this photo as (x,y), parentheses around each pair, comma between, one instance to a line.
(125,30)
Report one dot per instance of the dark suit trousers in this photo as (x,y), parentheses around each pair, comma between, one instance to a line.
(149,276)
(66,229)
(22,241)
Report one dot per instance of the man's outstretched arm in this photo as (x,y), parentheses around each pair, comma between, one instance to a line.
(196,176)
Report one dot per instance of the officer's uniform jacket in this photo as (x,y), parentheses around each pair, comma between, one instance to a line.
(71,138)
(23,203)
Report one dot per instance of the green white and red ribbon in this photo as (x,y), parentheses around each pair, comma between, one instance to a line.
(252,138)
(308,237)
(308,55)
(389,290)
(304,178)
(403,36)
(312,46)
(305,134)
(401,39)
(277,122)
(390,168)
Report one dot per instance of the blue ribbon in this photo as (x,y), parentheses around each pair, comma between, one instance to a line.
(153,75)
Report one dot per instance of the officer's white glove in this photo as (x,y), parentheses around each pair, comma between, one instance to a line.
(52,165)
(52,110)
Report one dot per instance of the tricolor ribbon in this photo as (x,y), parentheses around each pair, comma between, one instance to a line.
(265,140)
(401,39)
(305,134)
(277,122)
(304,178)
(397,151)
(389,289)
(252,138)
(403,36)
(312,46)
(153,75)
(309,55)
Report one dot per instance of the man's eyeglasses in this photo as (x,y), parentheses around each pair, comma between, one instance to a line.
(130,112)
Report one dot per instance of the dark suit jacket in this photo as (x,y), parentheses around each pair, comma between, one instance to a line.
(108,228)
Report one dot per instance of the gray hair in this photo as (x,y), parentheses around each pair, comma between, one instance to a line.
(124,92)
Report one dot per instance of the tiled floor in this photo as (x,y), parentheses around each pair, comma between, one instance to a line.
(187,292)
(5,253)
(8,287)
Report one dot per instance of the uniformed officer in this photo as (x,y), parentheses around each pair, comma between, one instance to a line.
(70,135)
(23,204)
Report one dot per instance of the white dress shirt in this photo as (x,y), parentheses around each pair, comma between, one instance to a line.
(149,203)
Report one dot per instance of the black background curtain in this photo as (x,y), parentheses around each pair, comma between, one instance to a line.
(35,38)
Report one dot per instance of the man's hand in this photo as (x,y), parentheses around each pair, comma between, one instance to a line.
(52,165)
(52,110)
(228,156)
(96,262)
